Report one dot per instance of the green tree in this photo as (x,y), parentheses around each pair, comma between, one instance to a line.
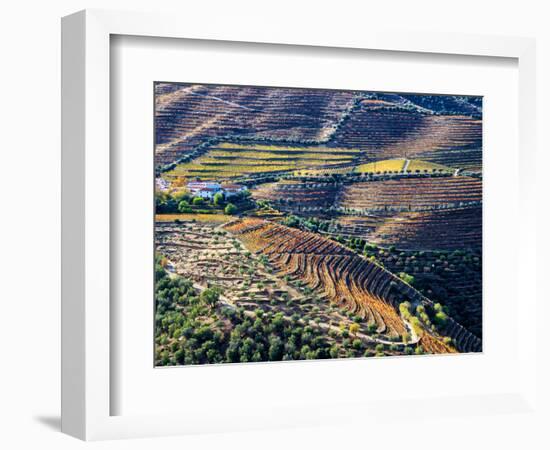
(354,328)
(276,348)
(218,198)
(210,297)
(180,356)
(160,262)
(183,206)
(165,203)
(230,209)
(440,318)
(181,195)
(406,278)
(198,201)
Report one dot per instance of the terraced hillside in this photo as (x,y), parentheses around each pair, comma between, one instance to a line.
(188,115)
(293,194)
(381,131)
(385,126)
(308,224)
(448,104)
(451,278)
(445,229)
(229,160)
(412,194)
(206,256)
(385,196)
(402,165)
(345,278)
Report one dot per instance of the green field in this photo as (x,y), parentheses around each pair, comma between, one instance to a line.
(214,218)
(393,165)
(416,164)
(397,165)
(228,160)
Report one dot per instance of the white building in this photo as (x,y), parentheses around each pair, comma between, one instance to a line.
(207,192)
(207,189)
(204,189)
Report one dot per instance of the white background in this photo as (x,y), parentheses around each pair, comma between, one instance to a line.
(30,39)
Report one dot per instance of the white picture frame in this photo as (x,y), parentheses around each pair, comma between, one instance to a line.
(86,222)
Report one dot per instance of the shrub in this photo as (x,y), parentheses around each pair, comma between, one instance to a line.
(210,297)
(180,356)
(218,198)
(440,318)
(409,279)
(230,209)
(417,325)
(372,328)
(354,328)
(276,348)
(184,207)
(405,310)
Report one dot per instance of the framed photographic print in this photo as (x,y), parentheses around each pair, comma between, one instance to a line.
(242,246)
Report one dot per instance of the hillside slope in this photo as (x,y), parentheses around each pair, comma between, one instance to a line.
(440,129)
(188,115)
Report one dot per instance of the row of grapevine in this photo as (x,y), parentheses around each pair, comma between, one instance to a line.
(439,229)
(454,141)
(413,194)
(187,115)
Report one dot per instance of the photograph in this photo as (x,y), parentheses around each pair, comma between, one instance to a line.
(307,224)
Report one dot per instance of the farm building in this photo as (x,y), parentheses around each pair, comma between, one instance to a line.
(204,189)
